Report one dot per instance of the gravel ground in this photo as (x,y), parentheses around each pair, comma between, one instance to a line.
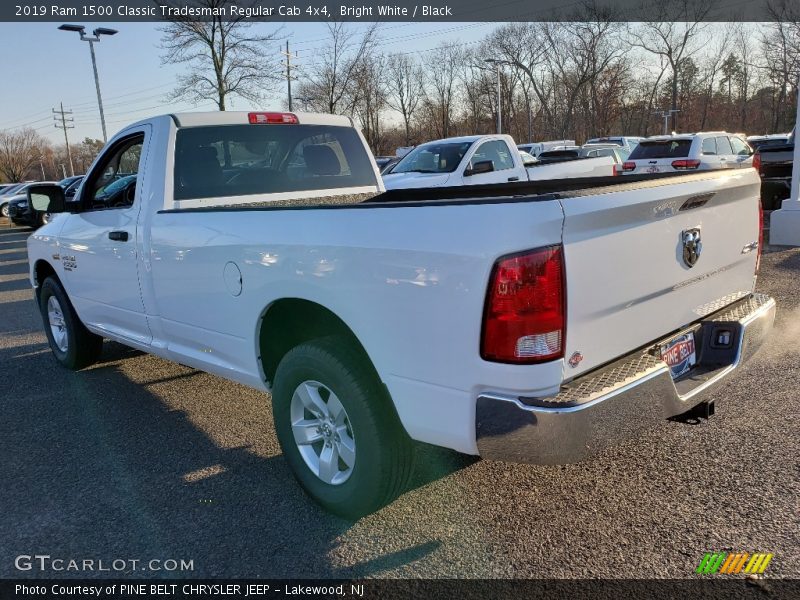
(140,458)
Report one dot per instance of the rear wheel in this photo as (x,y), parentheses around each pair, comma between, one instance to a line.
(4,210)
(72,344)
(338,430)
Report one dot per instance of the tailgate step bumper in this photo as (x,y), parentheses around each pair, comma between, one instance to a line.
(621,399)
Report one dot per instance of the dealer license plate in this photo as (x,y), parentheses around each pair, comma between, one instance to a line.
(653,169)
(679,354)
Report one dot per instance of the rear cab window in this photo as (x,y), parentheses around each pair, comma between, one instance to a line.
(240,160)
(662,149)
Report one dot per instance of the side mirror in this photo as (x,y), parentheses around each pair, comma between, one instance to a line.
(483,166)
(47,198)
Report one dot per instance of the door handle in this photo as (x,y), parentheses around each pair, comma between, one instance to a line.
(513,178)
(118,236)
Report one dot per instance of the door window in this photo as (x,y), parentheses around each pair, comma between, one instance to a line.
(709,146)
(740,148)
(112,183)
(724,145)
(495,151)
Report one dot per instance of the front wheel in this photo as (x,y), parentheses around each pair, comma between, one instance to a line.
(338,429)
(72,344)
(4,210)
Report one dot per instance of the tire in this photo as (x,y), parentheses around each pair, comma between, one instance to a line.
(4,210)
(374,455)
(74,346)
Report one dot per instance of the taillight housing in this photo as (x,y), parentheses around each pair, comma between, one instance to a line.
(757,161)
(629,165)
(525,313)
(685,164)
(272,118)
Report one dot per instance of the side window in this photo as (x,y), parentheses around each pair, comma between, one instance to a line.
(495,151)
(740,148)
(724,145)
(112,183)
(709,146)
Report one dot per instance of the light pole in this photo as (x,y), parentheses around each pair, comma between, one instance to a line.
(497,63)
(96,38)
(666,114)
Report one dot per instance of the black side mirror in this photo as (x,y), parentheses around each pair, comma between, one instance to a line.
(47,198)
(483,166)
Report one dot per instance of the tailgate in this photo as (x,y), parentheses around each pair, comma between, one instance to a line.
(628,283)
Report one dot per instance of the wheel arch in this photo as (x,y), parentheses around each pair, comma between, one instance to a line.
(41,271)
(288,322)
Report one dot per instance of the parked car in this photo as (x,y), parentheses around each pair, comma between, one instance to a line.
(774,139)
(16,203)
(774,164)
(526,327)
(72,188)
(527,159)
(480,160)
(536,148)
(68,181)
(382,161)
(688,152)
(387,167)
(6,194)
(4,187)
(627,142)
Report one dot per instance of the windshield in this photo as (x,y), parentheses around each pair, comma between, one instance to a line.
(11,190)
(436,157)
(662,149)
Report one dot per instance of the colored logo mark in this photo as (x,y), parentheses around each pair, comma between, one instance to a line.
(732,563)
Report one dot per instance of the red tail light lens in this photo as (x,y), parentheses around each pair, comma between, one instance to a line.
(524,319)
(272,118)
(685,164)
(629,165)
(757,161)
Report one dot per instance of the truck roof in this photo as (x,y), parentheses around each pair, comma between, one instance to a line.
(242,117)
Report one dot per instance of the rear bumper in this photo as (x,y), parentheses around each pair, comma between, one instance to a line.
(619,400)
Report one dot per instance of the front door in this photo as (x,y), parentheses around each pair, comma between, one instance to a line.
(98,244)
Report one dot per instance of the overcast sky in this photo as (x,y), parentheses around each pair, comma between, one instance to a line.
(43,66)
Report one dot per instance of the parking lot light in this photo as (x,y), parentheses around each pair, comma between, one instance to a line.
(95,37)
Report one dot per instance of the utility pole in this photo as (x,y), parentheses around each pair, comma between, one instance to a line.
(61,115)
(289,65)
(666,114)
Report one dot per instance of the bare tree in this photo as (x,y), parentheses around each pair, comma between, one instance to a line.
(329,85)
(405,88)
(370,80)
(673,33)
(442,67)
(224,57)
(20,151)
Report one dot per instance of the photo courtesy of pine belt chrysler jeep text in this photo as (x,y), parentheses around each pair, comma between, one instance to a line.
(532,321)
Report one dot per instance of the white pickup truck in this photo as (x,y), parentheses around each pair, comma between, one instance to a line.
(516,323)
(481,160)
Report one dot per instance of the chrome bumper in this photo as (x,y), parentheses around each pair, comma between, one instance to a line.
(621,399)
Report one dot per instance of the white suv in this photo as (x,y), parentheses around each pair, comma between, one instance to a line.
(688,152)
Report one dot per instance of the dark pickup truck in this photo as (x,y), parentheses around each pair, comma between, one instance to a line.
(774,164)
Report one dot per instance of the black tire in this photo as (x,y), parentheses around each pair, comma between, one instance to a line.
(384,454)
(82,346)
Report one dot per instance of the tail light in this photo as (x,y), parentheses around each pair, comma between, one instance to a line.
(685,164)
(272,118)
(524,320)
(629,165)
(757,161)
